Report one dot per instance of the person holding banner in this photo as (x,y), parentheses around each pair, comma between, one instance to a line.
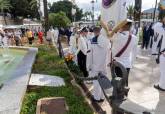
(124,44)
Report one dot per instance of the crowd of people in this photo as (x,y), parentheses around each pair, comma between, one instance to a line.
(94,50)
(19,36)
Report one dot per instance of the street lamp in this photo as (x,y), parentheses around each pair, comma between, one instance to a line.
(93,11)
(156,2)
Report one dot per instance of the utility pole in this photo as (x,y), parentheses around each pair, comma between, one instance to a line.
(46,16)
(156,3)
(93,12)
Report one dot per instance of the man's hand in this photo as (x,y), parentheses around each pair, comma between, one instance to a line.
(163,53)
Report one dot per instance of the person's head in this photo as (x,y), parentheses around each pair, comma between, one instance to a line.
(84,32)
(162,16)
(127,26)
(96,31)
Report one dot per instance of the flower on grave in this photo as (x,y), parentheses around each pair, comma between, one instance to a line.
(69,57)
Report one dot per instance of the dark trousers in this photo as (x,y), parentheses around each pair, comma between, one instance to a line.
(145,43)
(119,73)
(30,40)
(17,42)
(82,63)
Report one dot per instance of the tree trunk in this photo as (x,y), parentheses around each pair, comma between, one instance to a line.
(137,11)
(4,17)
(46,16)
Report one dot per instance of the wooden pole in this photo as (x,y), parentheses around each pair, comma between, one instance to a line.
(46,16)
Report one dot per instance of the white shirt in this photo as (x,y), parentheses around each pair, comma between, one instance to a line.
(157,36)
(162,35)
(73,44)
(82,45)
(97,54)
(119,41)
(49,35)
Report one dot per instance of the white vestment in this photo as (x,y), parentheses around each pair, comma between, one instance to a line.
(161,32)
(96,62)
(119,41)
(157,28)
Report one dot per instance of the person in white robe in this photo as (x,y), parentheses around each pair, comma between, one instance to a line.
(97,52)
(120,37)
(82,51)
(161,32)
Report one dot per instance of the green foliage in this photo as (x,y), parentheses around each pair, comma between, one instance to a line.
(48,62)
(23,8)
(130,10)
(161,13)
(59,19)
(5,5)
(66,6)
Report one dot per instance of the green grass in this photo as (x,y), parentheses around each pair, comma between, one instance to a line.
(48,62)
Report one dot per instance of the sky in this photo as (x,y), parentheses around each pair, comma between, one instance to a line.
(87,6)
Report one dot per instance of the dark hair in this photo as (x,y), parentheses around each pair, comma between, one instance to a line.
(84,30)
(128,26)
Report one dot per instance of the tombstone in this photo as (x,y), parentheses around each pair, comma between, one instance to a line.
(55,105)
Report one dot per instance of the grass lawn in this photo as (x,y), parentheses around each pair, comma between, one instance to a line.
(48,62)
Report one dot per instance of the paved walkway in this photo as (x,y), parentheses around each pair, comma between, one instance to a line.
(142,78)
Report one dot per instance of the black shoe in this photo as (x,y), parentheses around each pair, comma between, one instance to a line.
(158,88)
(98,101)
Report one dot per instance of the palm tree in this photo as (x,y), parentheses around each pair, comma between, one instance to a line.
(33,4)
(130,10)
(137,10)
(5,5)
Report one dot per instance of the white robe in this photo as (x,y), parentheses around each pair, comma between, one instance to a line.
(73,46)
(119,41)
(157,29)
(162,60)
(96,62)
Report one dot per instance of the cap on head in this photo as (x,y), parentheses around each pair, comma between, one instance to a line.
(96,29)
(129,21)
(84,30)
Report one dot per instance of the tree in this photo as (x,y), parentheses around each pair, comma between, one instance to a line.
(59,20)
(23,8)
(161,11)
(137,10)
(46,16)
(34,4)
(5,6)
(66,6)
(130,10)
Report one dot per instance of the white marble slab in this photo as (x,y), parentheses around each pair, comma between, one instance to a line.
(46,80)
